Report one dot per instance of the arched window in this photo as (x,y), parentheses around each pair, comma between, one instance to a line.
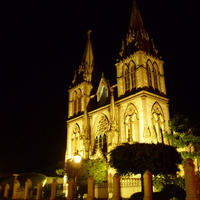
(101,131)
(155,79)
(104,143)
(74,103)
(79,100)
(133,76)
(132,124)
(149,76)
(75,144)
(96,143)
(102,96)
(100,142)
(158,122)
(127,82)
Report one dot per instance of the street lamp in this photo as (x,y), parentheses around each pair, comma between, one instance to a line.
(77,159)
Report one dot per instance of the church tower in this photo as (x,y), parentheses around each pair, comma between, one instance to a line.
(79,96)
(141,85)
(135,109)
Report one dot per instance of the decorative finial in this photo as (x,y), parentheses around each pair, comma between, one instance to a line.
(88,33)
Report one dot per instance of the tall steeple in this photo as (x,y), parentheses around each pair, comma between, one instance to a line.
(137,38)
(87,63)
(136,23)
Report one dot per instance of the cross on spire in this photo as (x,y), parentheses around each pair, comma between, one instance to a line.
(88,33)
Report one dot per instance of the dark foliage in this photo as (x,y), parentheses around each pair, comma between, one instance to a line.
(137,158)
(168,192)
(186,133)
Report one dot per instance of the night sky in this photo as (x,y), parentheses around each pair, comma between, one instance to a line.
(42,43)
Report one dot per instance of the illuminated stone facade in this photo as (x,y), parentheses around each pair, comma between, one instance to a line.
(102,116)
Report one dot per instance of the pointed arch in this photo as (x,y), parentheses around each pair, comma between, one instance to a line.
(131,124)
(158,121)
(104,143)
(126,78)
(155,78)
(102,91)
(79,96)
(149,71)
(155,75)
(132,67)
(74,102)
(75,139)
(101,129)
(102,95)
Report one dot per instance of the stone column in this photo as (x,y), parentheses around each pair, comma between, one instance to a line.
(119,123)
(147,177)
(39,190)
(70,189)
(116,187)
(7,187)
(53,189)
(15,187)
(190,181)
(167,141)
(28,185)
(90,189)
(144,113)
(68,152)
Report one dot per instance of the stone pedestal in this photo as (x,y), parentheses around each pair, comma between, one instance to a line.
(116,187)
(53,189)
(90,192)
(15,187)
(190,181)
(7,187)
(39,190)
(147,177)
(70,189)
(28,185)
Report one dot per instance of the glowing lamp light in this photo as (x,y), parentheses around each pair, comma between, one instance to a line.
(77,157)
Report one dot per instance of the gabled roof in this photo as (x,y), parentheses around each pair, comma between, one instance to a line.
(98,154)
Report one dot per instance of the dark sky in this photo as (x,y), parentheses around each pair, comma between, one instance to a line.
(42,43)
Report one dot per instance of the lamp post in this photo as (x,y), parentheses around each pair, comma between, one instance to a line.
(77,159)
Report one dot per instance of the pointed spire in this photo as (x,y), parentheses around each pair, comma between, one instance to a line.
(74,78)
(137,38)
(136,22)
(87,63)
(122,48)
(136,25)
(88,53)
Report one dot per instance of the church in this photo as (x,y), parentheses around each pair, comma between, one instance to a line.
(135,109)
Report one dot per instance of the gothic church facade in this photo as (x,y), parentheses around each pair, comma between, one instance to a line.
(135,109)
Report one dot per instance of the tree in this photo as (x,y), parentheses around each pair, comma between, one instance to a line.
(136,158)
(186,134)
(86,168)
(93,167)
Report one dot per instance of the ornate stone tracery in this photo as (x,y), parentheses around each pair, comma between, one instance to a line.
(75,138)
(158,122)
(103,126)
(132,124)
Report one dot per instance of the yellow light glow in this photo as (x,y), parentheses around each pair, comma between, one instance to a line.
(77,157)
